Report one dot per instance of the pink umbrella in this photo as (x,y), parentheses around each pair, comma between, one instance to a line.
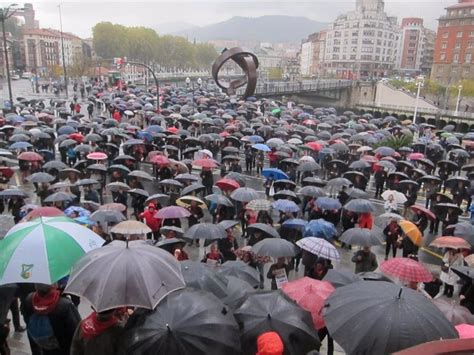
(416,156)
(97,156)
(206,163)
(172,212)
(465,331)
(406,270)
(310,295)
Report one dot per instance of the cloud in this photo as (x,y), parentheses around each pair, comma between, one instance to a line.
(80,17)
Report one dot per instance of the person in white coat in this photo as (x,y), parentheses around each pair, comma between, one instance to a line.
(451,258)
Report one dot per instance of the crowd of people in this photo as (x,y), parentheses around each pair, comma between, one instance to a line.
(323,183)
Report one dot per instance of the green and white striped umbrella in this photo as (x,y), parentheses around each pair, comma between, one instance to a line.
(44,250)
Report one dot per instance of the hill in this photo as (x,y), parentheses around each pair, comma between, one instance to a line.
(261,29)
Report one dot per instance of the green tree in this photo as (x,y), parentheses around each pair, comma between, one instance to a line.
(110,40)
(205,54)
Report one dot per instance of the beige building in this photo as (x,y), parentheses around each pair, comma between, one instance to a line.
(362,43)
(312,55)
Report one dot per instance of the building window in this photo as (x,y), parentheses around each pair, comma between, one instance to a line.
(471,34)
(470,44)
(456,58)
(457,45)
(445,34)
(459,34)
(467,70)
(468,58)
(442,56)
(444,45)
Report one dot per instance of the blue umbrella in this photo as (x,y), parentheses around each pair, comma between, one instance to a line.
(328,203)
(84,220)
(66,130)
(154,128)
(256,139)
(285,206)
(262,147)
(276,173)
(320,228)
(295,223)
(81,211)
(146,136)
(15,119)
(20,145)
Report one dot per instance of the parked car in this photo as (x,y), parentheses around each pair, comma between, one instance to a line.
(26,75)
(15,77)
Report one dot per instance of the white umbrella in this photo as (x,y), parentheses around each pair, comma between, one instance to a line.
(397,196)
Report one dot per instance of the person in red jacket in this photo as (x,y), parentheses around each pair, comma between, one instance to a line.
(77,108)
(148,217)
(366,221)
(117,116)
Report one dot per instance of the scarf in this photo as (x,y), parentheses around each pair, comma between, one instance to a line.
(47,303)
(92,327)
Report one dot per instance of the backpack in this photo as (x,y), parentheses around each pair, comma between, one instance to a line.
(41,331)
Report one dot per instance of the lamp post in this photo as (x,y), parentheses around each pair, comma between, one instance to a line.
(458,101)
(62,50)
(419,84)
(6,13)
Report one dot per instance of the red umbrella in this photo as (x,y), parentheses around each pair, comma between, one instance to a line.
(309,122)
(310,295)
(425,211)
(160,160)
(416,156)
(206,163)
(314,146)
(406,269)
(465,331)
(227,184)
(97,156)
(370,159)
(44,212)
(78,137)
(172,130)
(450,242)
(30,156)
(224,134)
(6,172)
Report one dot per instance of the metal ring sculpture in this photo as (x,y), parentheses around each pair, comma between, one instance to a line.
(245,60)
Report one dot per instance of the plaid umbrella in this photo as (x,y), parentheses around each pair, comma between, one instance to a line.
(319,247)
(259,205)
(406,269)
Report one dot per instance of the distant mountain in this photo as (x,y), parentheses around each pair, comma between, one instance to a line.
(174,27)
(261,29)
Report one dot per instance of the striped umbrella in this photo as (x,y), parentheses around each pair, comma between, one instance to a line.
(319,247)
(44,250)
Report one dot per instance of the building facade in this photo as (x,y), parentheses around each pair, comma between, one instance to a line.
(363,43)
(416,47)
(454,46)
(43,50)
(312,55)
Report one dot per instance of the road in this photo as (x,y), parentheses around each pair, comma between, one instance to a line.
(18,341)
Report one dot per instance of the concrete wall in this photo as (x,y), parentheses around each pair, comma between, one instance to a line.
(389,96)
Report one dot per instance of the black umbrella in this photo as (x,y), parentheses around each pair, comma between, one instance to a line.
(106,216)
(314,181)
(441,208)
(341,277)
(201,276)
(196,187)
(272,311)
(207,231)
(262,227)
(393,318)
(240,270)
(186,322)
(244,194)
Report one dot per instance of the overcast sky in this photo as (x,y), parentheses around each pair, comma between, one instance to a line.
(80,17)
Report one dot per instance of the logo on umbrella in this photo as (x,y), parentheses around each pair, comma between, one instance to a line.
(25,270)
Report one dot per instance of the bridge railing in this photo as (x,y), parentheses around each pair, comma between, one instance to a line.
(283,87)
(420,110)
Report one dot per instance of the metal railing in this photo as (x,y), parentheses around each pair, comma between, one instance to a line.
(285,87)
(421,110)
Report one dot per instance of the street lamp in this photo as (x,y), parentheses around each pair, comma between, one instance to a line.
(458,101)
(419,85)
(6,13)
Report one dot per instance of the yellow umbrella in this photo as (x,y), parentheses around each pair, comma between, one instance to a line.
(185,201)
(411,231)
